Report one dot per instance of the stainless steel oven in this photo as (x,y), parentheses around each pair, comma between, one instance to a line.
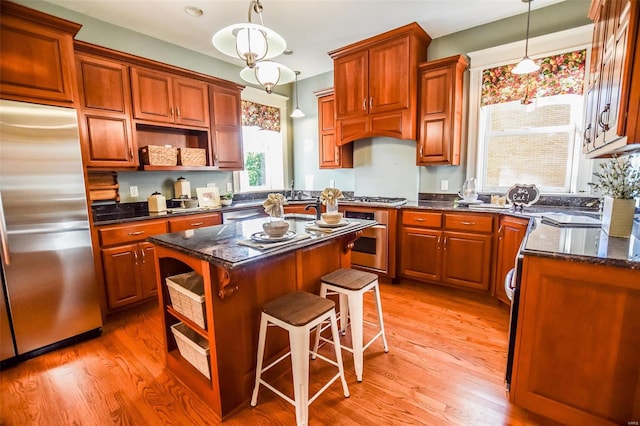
(370,251)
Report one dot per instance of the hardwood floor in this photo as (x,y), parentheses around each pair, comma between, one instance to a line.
(445,366)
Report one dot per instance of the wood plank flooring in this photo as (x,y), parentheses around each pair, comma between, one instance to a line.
(445,366)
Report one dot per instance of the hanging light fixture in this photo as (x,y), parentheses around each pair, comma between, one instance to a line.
(268,74)
(526,65)
(248,41)
(297,113)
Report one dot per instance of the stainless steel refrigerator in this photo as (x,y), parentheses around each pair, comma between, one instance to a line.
(49,294)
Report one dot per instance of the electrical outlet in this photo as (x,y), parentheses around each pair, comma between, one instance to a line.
(444,185)
(133,190)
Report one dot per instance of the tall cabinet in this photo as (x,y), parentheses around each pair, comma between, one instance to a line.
(330,155)
(613,93)
(440,111)
(376,84)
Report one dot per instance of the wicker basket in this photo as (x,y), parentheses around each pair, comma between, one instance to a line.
(155,155)
(192,156)
(193,347)
(187,296)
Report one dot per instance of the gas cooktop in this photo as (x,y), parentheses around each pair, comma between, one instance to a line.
(390,201)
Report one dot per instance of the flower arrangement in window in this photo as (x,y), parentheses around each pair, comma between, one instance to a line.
(617,178)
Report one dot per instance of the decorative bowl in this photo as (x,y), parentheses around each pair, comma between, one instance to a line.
(331,218)
(226,202)
(275,229)
(190,203)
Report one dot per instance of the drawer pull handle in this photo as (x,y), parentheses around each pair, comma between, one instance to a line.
(467,223)
(197,224)
(135,233)
(419,219)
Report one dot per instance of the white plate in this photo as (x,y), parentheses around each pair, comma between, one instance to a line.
(468,203)
(261,237)
(323,224)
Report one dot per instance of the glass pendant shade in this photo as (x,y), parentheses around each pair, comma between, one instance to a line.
(525,66)
(248,41)
(267,74)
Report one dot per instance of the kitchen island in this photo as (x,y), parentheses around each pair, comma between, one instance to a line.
(238,280)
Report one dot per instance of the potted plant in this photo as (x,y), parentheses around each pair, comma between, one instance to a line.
(619,183)
(226,199)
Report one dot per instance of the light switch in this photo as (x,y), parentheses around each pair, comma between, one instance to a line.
(133,190)
(444,185)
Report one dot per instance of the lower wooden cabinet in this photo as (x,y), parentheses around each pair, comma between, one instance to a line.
(510,234)
(576,352)
(129,273)
(448,248)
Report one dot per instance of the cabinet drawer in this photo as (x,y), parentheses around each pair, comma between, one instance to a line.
(194,222)
(122,234)
(422,219)
(469,222)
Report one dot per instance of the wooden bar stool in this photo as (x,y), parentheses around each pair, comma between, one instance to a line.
(351,285)
(298,313)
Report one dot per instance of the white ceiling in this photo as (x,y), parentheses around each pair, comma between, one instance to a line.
(311,28)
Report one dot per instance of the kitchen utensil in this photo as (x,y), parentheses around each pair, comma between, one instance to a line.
(157,203)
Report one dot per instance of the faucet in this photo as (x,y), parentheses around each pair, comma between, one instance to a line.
(317,206)
(292,191)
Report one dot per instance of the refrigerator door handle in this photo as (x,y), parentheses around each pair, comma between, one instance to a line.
(3,236)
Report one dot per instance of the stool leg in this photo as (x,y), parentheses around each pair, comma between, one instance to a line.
(355,310)
(261,339)
(344,312)
(323,293)
(299,343)
(336,345)
(376,290)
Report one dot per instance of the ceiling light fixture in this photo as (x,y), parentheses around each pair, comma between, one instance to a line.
(297,113)
(526,65)
(268,74)
(249,42)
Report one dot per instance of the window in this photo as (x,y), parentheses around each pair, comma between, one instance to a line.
(263,134)
(528,128)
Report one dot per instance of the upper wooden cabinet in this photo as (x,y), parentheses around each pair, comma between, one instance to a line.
(105,112)
(37,56)
(165,98)
(376,84)
(612,118)
(330,155)
(226,127)
(440,111)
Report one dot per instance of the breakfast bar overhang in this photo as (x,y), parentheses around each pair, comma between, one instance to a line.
(238,280)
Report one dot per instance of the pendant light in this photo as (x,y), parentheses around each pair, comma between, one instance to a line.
(248,41)
(526,65)
(297,113)
(268,74)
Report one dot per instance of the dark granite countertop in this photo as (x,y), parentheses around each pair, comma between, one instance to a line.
(221,244)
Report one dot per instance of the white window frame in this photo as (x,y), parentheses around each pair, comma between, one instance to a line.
(274,100)
(543,46)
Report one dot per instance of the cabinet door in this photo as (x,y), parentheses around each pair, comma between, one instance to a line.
(389,76)
(121,275)
(421,254)
(147,270)
(226,123)
(512,231)
(435,117)
(37,59)
(191,102)
(152,95)
(351,78)
(105,99)
(466,260)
